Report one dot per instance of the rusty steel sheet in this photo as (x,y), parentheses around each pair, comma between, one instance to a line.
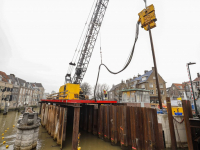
(124,140)
(113,122)
(101,121)
(81,117)
(43,113)
(75,127)
(85,118)
(53,120)
(121,128)
(64,124)
(59,135)
(56,122)
(145,128)
(156,130)
(128,126)
(187,124)
(95,120)
(118,123)
(106,122)
(90,112)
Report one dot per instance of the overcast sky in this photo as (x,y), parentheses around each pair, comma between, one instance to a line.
(38,39)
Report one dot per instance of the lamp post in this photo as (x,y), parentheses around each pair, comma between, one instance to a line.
(191,87)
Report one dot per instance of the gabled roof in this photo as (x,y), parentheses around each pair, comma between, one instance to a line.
(21,81)
(5,78)
(197,79)
(36,84)
(178,85)
(147,74)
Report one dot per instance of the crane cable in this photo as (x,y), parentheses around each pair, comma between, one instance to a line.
(71,68)
(125,66)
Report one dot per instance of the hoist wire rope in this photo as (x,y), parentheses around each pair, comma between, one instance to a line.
(71,68)
(127,63)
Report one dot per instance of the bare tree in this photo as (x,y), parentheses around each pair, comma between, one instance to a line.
(86,88)
(99,91)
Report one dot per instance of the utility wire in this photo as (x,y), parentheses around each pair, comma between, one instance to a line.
(126,65)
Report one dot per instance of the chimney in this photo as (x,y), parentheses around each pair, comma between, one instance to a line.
(139,75)
(153,68)
(12,75)
(122,81)
(113,85)
(134,77)
(198,75)
(145,71)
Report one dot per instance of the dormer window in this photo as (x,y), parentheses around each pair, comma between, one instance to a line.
(1,78)
(144,78)
(180,87)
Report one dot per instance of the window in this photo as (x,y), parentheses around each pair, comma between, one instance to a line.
(180,87)
(161,85)
(162,92)
(154,77)
(151,85)
(173,88)
(143,86)
(151,91)
(143,78)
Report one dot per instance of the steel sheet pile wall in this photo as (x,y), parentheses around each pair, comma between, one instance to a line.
(54,119)
(129,127)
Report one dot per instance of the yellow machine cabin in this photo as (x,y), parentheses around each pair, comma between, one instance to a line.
(69,91)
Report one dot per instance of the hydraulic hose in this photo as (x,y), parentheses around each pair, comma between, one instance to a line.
(125,66)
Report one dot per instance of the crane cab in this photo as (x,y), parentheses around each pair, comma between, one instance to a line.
(69,91)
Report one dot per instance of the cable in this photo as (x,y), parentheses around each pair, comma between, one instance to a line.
(70,68)
(126,65)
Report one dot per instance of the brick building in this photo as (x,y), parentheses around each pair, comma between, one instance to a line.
(146,81)
(6,88)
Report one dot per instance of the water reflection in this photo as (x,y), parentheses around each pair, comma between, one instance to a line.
(45,142)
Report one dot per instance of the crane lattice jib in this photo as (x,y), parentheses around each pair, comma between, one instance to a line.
(90,40)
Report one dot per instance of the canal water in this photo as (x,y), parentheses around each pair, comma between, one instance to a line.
(45,142)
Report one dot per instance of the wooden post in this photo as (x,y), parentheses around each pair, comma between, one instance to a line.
(187,124)
(75,126)
(171,124)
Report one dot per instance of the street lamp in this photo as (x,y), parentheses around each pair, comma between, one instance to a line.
(189,75)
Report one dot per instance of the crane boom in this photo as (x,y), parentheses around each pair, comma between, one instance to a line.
(90,40)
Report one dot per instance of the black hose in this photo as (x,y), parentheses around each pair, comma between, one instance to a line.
(126,65)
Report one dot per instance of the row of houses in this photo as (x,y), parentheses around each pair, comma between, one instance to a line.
(178,89)
(16,92)
(147,81)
